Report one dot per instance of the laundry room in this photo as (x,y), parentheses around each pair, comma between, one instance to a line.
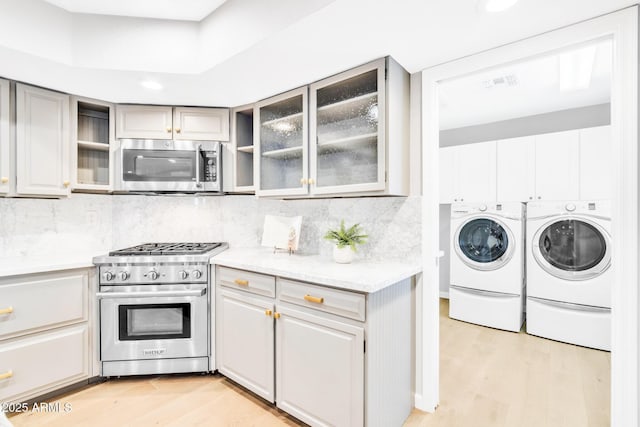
(526,182)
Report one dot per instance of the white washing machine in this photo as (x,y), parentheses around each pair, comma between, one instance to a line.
(569,277)
(487,264)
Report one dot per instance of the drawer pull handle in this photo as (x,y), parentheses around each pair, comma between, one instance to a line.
(276,315)
(317,300)
(6,375)
(268,312)
(7,310)
(241,282)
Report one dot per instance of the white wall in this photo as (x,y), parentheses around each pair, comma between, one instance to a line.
(556,121)
(47,34)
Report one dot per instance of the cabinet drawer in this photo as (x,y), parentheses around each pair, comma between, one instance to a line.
(43,362)
(259,284)
(342,303)
(42,302)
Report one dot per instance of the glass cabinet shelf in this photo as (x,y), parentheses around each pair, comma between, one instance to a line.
(348,143)
(349,107)
(284,153)
(284,123)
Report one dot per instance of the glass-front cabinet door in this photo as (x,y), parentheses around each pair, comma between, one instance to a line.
(347,131)
(280,132)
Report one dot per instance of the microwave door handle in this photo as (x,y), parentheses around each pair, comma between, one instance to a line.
(143,294)
(198,150)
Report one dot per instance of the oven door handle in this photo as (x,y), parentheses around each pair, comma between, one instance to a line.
(148,294)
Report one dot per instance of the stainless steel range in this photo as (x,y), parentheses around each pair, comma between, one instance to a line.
(155,308)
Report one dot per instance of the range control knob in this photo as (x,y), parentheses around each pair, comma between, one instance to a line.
(570,207)
(183,274)
(123,275)
(196,274)
(483,208)
(108,275)
(153,275)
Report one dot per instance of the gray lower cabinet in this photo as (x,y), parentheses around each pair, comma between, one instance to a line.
(44,333)
(327,356)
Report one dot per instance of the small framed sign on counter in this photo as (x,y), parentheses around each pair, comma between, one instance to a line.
(281,232)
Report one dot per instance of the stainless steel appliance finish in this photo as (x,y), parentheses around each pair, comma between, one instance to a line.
(166,165)
(155,308)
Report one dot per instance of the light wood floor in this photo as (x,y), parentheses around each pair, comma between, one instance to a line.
(488,378)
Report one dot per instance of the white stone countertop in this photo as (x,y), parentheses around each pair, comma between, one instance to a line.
(15,266)
(361,275)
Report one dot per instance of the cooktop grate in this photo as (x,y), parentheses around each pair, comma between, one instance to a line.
(147,249)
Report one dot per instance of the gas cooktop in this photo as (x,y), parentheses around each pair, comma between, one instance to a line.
(147,249)
(163,253)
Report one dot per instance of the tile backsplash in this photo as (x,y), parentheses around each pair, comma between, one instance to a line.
(95,224)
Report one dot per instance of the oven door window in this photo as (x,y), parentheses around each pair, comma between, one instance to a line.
(154,321)
(158,165)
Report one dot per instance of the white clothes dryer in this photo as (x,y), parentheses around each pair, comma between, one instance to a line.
(487,264)
(569,277)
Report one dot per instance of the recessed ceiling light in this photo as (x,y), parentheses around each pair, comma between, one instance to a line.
(498,5)
(150,84)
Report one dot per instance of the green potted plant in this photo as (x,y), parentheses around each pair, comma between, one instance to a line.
(345,241)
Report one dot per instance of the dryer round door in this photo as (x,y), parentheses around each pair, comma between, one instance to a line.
(484,243)
(572,248)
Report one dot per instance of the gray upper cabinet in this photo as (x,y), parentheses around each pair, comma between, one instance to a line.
(238,165)
(4,138)
(92,144)
(280,141)
(358,127)
(42,142)
(162,122)
(359,131)
(201,124)
(347,149)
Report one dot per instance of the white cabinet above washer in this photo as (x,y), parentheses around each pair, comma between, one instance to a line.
(596,163)
(570,165)
(468,173)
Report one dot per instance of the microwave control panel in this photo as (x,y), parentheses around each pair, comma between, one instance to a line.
(210,166)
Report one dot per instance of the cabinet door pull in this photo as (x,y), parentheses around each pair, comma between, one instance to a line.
(178,130)
(312,181)
(168,130)
(4,179)
(276,315)
(66,183)
(6,375)
(268,312)
(7,310)
(304,181)
(317,300)
(241,282)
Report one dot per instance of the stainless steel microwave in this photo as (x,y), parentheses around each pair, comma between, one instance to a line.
(167,165)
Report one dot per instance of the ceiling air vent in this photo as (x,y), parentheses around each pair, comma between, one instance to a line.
(502,81)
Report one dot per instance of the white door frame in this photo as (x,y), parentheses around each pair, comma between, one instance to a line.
(622,27)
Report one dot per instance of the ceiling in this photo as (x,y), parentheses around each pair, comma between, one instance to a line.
(246,50)
(184,10)
(561,80)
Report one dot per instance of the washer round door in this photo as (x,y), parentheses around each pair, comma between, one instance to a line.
(572,248)
(484,243)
